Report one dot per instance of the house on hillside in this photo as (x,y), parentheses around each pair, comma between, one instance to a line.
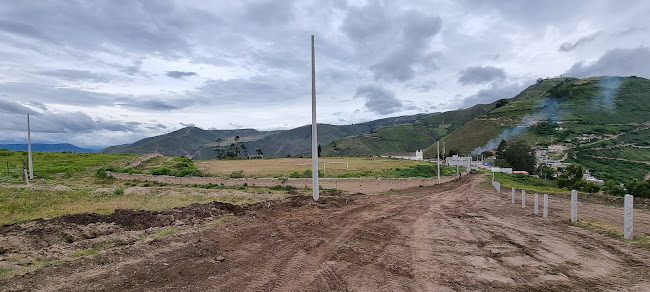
(406,155)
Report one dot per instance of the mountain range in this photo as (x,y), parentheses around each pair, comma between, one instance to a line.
(62,147)
(613,111)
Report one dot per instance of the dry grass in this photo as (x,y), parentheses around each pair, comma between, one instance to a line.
(282,167)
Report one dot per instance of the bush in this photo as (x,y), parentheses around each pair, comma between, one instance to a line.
(282,188)
(101,173)
(119,191)
(161,171)
(613,189)
(305,174)
(236,174)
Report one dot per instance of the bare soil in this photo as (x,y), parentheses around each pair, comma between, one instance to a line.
(452,237)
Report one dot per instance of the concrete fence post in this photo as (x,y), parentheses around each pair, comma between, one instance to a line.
(499,188)
(545,206)
(513,195)
(574,206)
(523,199)
(536,204)
(628,217)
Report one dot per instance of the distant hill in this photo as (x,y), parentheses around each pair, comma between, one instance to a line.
(407,137)
(200,144)
(64,147)
(612,112)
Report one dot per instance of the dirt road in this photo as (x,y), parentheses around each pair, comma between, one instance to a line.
(457,236)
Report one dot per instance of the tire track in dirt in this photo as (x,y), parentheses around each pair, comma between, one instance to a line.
(457,236)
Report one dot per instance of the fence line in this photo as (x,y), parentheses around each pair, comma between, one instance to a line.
(628,208)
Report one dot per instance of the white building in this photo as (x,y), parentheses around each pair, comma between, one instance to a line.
(459,161)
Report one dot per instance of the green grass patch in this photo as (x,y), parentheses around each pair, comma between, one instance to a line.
(5,272)
(526,182)
(638,240)
(160,234)
(49,165)
(17,205)
(219,222)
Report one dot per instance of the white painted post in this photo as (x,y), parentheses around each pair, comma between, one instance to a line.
(574,206)
(438,162)
(513,195)
(314,131)
(29,149)
(26,176)
(536,204)
(523,199)
(545,205)
(628,217)
(499,188)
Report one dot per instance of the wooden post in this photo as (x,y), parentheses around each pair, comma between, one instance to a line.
(628,217)
(574,206)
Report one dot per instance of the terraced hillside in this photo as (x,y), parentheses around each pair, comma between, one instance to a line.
(604,120)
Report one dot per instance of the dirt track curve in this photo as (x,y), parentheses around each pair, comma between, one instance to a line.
(458,236)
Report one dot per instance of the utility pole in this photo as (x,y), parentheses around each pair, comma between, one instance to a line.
(438,162)
(29,150)
(314,132)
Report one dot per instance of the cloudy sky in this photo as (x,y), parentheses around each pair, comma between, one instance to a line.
(99,73)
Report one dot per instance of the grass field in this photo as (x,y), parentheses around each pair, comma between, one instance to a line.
(283,167)
(74,168)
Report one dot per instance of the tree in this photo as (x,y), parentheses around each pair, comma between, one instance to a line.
(259,151)
(501,102)
(243,149)
(521,156)
(220,153)
(501,148)
(319,149)
(453,152)
(233,151)
(571,175)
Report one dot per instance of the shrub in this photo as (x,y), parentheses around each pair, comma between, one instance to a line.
(101,173)
(161,171)
(236,174)
(119,191)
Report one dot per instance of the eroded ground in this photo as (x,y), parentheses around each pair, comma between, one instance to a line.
(458,236)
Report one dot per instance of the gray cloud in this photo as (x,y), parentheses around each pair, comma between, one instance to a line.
(480,75)
(494,93)
(179,74)
(408,32)
(79,75)
(567,47)
(616,62)
(379,100)
(57,95)
(75,122)
(11,107)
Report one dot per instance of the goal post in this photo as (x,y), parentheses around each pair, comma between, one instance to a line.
(347,165)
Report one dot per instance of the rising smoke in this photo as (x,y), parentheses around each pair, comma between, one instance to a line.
(549,110)
(608,87)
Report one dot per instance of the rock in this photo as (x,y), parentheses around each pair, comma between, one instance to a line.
(219,259)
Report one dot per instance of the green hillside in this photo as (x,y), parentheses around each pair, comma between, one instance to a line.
(200,144)
(612,113)
(406,137)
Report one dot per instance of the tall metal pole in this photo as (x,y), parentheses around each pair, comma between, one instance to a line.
(438,162)
(29,149)
(314,132)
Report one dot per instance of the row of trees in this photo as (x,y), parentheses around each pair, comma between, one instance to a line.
(233,150)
